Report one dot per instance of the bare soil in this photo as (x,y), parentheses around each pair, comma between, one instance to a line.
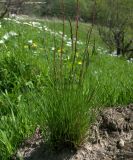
(111,138)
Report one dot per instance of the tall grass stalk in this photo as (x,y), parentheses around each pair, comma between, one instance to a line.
(63,33)
(71,33)
(76,35)
(68,113)
(86,57)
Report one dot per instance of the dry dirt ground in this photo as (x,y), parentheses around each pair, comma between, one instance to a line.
(111,138)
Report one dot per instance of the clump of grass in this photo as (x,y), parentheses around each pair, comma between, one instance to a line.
(68,114)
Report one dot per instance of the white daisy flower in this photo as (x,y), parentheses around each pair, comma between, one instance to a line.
(27,24)
(53,48)
(95,72)
(30,42)
(2,41)
(7,19)
(60,32)
(79,42)
(6,36)
(40,28)
(36,24)
(16,21)
(131,59)
(69,44)
(12,33)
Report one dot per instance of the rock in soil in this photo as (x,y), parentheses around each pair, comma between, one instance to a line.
(111,138)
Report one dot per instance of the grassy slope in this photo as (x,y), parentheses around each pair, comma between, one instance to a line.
(23,108)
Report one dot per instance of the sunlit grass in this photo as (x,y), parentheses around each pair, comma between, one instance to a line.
(29,96)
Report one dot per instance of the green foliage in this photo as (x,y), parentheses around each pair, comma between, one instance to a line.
(103,8)
(108,10)
(16,73)
(111,78)
(63,110)
(54,8)
(19,124)
(116,33)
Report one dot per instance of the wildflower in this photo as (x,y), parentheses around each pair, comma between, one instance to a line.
(12,33)
(99,49)
(40,28)
(69,44)
(6,36)
(46,29)
(35,53)
(0,25)
(95,72)
(2,41)
(34,45)
(68,57)
(45,26)
(30,42)
(17,22)
(36,24)
(53,48)
(65,36)
(79,42)
(26,47)
(27,23)
(79,62)
(60,32)
(59,50)
(131,59)
(9,34)
(7,19)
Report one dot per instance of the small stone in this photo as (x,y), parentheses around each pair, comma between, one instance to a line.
(120,143)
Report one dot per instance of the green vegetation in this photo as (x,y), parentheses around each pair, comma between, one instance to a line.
(60,95)
(103,9)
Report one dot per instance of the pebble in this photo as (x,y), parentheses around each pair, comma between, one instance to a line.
(120,143)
